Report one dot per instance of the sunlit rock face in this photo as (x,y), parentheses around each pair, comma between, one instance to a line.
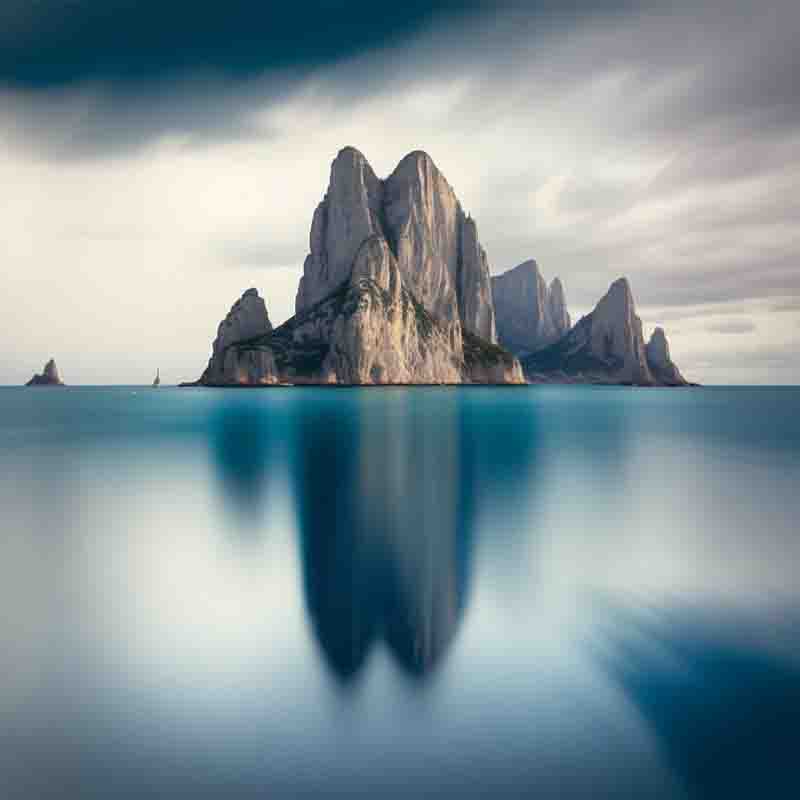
(530,315)
(605,346)
(49,376)
(389,337)
(372,330)
(395,290)
(418,214)
(349,214)
(661,365)
(247,320)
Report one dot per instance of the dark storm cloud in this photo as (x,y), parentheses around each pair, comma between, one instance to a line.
(83,78)
(53,43)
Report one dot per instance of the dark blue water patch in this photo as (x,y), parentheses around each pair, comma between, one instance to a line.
(725,707)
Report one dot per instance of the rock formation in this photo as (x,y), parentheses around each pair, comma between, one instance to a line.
(48,377)
(418,215)
(372,330)
(605,346)
(529,315)
(659,361)
(396,289)
(246,320)
(557,306)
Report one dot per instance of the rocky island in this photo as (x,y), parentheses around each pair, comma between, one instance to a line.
(396,289)
(49,376)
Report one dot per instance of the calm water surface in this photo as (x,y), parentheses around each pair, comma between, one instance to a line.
(541,592)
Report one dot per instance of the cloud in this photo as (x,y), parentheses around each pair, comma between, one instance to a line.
(788,306)
(731,326)
(250,251)
(56,43)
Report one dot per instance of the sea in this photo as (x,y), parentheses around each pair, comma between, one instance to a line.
(466,592)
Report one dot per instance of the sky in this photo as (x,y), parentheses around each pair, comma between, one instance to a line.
(158,158)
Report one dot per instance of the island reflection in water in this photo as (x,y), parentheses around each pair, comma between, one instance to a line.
(386,493)
(400,593)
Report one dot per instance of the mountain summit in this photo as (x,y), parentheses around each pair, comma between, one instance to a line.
(607,346)
(530,315)
(415,210)
(395,289)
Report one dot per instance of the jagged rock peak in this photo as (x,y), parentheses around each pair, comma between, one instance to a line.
(49,376)
(349,213)
(619,294)
(557,305)
(420,163)
(247,319)
(616,333)
(605,346)
(416,211)
(658,347)
(530,315)
(660,361)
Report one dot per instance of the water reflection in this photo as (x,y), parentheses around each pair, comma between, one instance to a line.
(243,449)
(457,534)
(385,545)
(387,490)
(721,692)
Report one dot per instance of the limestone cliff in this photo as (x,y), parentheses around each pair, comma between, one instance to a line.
(246,320)
(371,330)
(605,346)
(529,315)
(349,213)
(395,289)
(49,376)
(418,214)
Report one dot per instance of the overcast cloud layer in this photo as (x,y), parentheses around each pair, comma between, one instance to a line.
(149,181)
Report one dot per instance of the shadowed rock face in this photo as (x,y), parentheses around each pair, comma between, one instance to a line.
(529,315)
(605,346)
(659,361)
(48,377)
(416,211)
(557,305)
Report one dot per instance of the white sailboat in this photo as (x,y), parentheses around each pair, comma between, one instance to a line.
(157,379)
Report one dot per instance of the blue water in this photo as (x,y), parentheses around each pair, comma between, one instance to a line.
(399,593)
